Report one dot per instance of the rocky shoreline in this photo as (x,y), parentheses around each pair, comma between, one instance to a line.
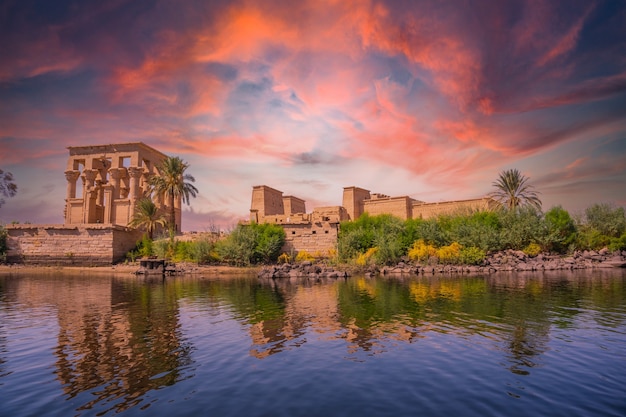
(505,261)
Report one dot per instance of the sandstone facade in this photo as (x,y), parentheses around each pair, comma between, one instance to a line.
(55,244)
(97,210)
(113,178)
(317,232)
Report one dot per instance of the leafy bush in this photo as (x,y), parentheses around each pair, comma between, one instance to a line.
(606,220)
(367,257)
(304,256)
(592,239)
(532,250)
(3,243)
(203,251)
(449,254)
(385,232)
(238,247)
(618,243)
(269,241)
(480,229)
(521,228)
(561,229)
(389,246)
(162,248)
(252,244)
(283,259)
(431,231)
(422,251)
(471,255)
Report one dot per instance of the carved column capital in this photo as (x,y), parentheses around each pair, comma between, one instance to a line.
(135,172)
(72,175)
(115,173)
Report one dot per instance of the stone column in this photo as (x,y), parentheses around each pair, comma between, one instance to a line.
(108,202)
(71,176)
(135,174)
(89,196)
(115,174)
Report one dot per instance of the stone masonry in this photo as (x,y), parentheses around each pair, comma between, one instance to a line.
(97,212)
(54,244)
(114,178)
(317,232)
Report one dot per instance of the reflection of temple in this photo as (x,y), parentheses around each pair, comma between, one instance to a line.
(114,337)
(316,307)
(114,178)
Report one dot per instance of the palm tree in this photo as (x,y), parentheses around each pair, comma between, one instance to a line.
(147,216)
(171,183)
(513,191)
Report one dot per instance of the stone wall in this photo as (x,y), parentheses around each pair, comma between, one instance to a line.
(396,206)
(428,210)
(83,245)
(314,238)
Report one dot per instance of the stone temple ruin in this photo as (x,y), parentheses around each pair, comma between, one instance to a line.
(317,232)
(114,178)
(98,209)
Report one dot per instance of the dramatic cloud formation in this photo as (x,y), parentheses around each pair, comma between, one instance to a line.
(424,98)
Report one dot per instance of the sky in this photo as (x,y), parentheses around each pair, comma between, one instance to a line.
(426,98)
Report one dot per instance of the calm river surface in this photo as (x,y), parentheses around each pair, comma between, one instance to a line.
(507,345)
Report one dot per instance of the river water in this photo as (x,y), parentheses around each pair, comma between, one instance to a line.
(533,344)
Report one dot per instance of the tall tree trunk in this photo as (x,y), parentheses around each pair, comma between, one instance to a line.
(172,213)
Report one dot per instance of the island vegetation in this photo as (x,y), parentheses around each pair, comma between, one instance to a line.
(461,239)
(384,240)
(452,239)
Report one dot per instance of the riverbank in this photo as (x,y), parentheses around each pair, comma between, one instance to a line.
(504,261)
(130,269)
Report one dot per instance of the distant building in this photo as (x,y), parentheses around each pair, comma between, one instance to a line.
(113,178)
(97,210)
(317,232)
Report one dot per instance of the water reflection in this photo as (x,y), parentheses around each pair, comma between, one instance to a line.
(117,340)
(515,311)
(120,338)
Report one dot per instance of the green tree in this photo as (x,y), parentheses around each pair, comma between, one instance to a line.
(3,243)
(270,238)
(607,220)
(513,191)
(147,216)
(172,183)
(7,187)
(561,229)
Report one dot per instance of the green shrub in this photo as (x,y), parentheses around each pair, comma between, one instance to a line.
(385,232)
(522,227)
(283,259)
(367,258)
(389,246)
(592,239)
(3,243)
(203,251)
(471,255)
(606,220)
(480,229)
(251,244)
(561,229)
(238,247)
(422,251)
(618,243)
(161,248)
(270,239)
(532,250)
(304,256)
(449,254)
